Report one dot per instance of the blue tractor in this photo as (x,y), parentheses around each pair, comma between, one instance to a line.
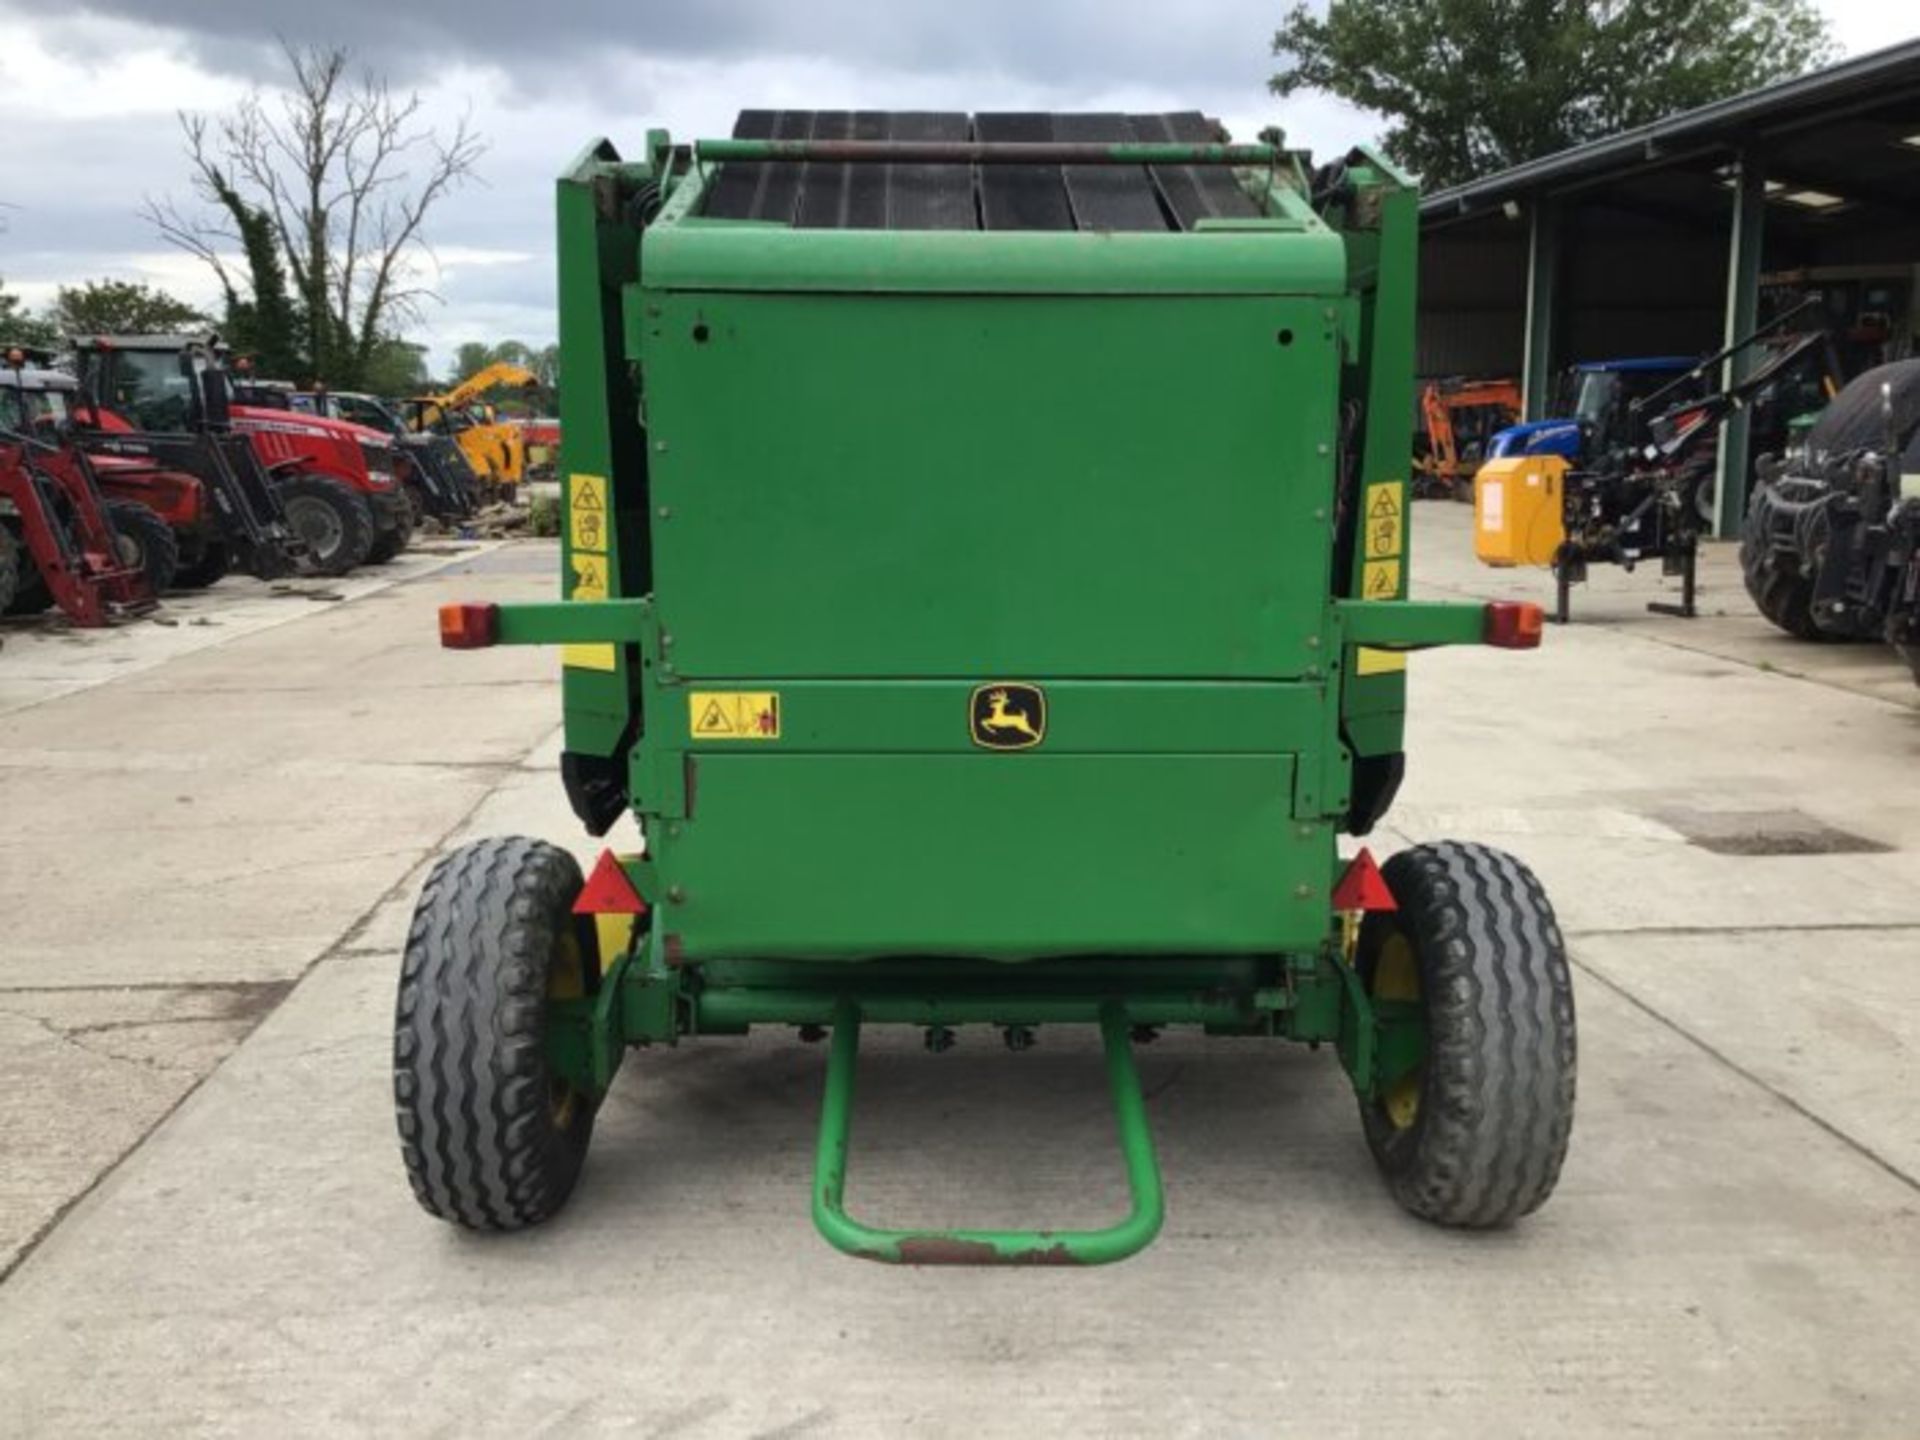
(1597,402)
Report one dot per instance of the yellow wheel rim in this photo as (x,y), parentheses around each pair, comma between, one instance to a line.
(1396,976)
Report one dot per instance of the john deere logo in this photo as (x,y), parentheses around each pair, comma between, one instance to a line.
(1008,716)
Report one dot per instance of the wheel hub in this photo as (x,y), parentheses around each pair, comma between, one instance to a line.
(315,522)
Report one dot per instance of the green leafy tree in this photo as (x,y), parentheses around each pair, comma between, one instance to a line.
(1471,87)
(20,326)
(122,307)
(396,367)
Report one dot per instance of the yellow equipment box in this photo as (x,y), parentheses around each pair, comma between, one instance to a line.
(1517,516)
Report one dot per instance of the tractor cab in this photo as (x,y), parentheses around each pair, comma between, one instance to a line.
(438,480)
(1596,409)
(158,383)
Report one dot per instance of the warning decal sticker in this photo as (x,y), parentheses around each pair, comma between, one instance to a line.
(587,512)
(1385,522)
(589,577)
(587,521)
(1380,580)
(733,714)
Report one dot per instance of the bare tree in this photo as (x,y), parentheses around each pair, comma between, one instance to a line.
(341,173)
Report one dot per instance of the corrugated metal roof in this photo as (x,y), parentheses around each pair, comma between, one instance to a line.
(1838,90)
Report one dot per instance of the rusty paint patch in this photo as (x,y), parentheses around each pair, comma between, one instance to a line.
(675,947)
(949,1250)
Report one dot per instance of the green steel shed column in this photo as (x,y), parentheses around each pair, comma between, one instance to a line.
(1743,314)
(1543,304)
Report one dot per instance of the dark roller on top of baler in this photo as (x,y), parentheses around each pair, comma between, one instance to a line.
(929,196)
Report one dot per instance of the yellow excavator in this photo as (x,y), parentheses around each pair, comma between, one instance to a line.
(493,447)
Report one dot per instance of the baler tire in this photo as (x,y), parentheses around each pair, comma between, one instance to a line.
(146,543)
(315,498)
(206,567)
(1496,1089)
(490,1139)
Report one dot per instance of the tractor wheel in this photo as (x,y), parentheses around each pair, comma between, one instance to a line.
(492,1138)
(146,543)
(333,520)
(1780,591)
(10,559)
(30,594)
(1475,1135)
(1909,651)
(204,567)
(390,543)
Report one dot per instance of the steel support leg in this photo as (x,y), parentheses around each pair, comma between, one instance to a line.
(1543,305)
(1742,317)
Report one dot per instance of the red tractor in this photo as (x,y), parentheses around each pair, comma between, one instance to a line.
(160,514)
(61,540)
(335,481)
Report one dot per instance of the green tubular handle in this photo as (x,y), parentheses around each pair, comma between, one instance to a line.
(987,1247)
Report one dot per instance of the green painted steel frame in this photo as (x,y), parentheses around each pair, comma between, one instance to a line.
(988,1247)
(1353,260)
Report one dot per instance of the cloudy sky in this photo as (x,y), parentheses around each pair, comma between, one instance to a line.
(88,95)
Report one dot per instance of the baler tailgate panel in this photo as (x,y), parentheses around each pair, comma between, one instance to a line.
(1105,488)
(856,856)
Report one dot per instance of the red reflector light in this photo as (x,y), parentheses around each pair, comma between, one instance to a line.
(1363,887)
(608,891)
(468,627)
(1514,624)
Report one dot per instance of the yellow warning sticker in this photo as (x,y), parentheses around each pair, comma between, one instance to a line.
(587,512)
(1385,521)
(1380,580)
(733,714)
(588,657)
(1368,661)
(589,577)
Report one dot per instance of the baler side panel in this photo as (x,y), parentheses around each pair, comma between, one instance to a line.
(1383,260)
(603,461)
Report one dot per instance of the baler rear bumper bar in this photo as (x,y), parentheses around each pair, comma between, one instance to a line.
(1380,624)
(987,1247)
(983,152)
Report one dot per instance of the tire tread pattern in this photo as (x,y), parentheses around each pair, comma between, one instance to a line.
(356,519)
(470,1078)
(1496,1108)
(159,546)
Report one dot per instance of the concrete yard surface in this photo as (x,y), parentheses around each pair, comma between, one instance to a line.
(212,1234)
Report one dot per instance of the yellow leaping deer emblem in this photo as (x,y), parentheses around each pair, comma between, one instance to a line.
(1002,720)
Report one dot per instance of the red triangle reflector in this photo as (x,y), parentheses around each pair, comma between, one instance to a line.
(608,891)
(1363,887)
